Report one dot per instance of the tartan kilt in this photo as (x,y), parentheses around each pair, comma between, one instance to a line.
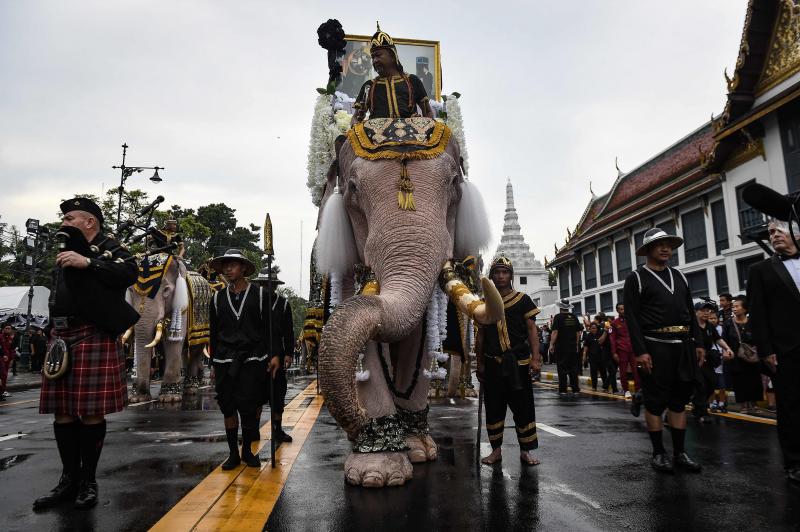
(95,382)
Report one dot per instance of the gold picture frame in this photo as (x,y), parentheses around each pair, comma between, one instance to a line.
(357,64)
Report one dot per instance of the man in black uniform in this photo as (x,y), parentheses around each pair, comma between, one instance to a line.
(666,341)
(773,291)
(282,346)
(394,93)
(564,339)
(88,313)
(507,354)
(240,353)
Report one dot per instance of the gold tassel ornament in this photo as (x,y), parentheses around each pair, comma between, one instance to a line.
(405,194)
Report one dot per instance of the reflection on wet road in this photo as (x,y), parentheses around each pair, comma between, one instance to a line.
(594,474)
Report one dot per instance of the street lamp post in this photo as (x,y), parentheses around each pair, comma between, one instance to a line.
(35,239)
(126,172)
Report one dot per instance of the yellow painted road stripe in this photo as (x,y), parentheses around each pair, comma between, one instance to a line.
(732,415)
(218,497)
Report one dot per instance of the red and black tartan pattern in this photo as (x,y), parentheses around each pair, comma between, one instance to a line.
(95,382)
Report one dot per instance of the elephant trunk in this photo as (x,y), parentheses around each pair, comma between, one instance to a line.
(407,278)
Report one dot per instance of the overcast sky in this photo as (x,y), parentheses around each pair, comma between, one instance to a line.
(222,95)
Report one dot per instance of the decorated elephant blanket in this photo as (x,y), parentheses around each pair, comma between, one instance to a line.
(403,139)
(399,138)
(151,272)
(200,293)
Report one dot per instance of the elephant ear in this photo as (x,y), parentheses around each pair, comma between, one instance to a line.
(180,299)
(336,245)
(472,233)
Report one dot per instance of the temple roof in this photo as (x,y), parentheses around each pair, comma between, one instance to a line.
(642,190)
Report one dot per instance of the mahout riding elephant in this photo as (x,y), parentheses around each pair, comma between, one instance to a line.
(162,298)
(370,219)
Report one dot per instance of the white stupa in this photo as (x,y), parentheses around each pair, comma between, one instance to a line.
(530,276)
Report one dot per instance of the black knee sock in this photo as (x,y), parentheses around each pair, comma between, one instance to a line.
(655,439)
(232,435)
(92,437)
(678,439)
(68,441)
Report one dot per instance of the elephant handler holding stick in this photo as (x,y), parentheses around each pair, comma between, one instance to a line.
(240,353)
(84,370)
(508,353)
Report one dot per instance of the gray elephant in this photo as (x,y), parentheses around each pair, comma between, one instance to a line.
(403,232)
(162,298)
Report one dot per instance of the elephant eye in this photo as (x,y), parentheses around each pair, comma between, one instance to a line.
(351,186)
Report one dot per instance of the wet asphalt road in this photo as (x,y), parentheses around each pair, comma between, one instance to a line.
(597,478)
(153,455)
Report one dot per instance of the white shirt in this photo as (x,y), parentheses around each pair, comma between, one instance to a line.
(793,267)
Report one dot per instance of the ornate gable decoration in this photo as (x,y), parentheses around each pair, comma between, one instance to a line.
(783,60)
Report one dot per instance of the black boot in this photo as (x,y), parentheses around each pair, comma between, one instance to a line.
(248,457)
(277,432)
(233,446)
(92,438)
(67,438)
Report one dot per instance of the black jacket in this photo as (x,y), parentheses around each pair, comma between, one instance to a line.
(97,294)
(774,302)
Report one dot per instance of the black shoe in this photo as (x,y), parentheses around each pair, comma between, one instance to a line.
(87,495)
(793,475)
(636,404)
(282,437)
(64,491)
(251,459)
(232,462)
(684,461)
(662,463)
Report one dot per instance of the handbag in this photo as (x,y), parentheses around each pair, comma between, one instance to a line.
(746,352)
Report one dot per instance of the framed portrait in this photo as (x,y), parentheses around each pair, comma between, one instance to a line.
(417,57)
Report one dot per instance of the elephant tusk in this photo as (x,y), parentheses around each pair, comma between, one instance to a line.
(205,351)
(484,311)
(127,335)
(157,338)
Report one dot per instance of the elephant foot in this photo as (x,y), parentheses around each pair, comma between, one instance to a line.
(422,448)
(171,393)
(134,398)
(377,470)
(191,385)
(470,392)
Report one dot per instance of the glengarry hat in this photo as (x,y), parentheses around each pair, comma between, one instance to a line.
(264,275)
(232,254)
(654,235)
(82,204)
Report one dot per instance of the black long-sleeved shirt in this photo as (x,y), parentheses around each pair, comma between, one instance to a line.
(650,304)
(247,335)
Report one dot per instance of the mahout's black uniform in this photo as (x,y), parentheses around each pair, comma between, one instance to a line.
(507,382)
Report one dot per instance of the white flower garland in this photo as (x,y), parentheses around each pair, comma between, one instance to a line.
(331,119)
(335,280)
(456,124)
(434,335)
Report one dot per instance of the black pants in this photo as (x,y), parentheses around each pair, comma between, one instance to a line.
(665,387)
(242,392)
(787,402)
(567,367)
(704,385)
(280,392)
(499,397)
(597,368)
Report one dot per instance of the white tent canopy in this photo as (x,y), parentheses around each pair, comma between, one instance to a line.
(14,300)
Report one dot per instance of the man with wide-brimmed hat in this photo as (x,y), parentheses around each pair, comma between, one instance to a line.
(507,354)
(666,341)
(88,312)
(240,353)
(394,93)
(773,294)
(565,336)
(282,348)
